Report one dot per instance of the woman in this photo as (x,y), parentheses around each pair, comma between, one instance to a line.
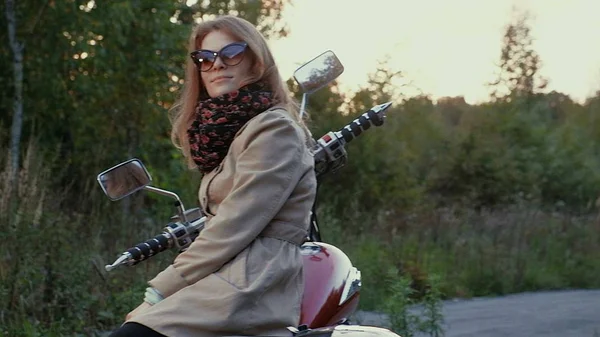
(237,124)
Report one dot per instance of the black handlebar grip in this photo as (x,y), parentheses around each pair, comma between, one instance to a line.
(149,248)
(159,243)
(364,122)
(377,120)
(354,129)
(347,135)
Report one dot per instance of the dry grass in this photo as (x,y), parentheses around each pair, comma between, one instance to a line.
(52,244)
(475,253)
(21,213)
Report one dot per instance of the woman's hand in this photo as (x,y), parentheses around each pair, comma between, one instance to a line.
(137,310)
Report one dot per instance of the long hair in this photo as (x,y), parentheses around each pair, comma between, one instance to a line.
(263,68)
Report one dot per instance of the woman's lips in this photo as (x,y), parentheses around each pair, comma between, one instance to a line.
(221,78)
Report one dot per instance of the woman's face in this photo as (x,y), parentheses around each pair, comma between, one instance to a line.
(221,78)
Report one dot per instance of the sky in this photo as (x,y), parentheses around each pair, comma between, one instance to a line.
(444,47)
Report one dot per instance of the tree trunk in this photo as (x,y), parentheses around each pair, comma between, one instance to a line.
(17,120)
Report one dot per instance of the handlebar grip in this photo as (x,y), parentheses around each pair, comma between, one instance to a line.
(362,123)
(376,118)
(144,250)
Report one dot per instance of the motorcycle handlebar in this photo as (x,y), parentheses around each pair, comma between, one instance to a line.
(142,251)
(176,234)
(329,157)
(329,152)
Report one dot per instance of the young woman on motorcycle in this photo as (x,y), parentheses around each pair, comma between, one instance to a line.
(236,122)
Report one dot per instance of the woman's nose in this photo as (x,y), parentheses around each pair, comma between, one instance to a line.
(218,63)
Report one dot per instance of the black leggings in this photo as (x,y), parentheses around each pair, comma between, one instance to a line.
(135,329)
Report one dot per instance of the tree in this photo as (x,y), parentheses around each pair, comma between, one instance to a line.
(519,76)
(17,111)
(266,14)
(451,109)
(95,71)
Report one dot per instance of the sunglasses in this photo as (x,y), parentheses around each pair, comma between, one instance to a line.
(231,55)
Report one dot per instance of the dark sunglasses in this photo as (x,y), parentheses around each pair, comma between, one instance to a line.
(231,55)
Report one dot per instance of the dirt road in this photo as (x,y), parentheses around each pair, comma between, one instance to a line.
(542,314)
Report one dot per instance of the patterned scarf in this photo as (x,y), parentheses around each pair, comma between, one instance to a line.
(218,119)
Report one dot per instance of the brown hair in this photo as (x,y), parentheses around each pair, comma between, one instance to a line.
(264,68)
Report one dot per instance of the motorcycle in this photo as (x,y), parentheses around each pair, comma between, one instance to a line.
(332,284)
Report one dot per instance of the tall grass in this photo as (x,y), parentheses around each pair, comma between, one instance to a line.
(53,251)
(473,252)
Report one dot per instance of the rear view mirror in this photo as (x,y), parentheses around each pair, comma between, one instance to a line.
(124,179)
(318,72)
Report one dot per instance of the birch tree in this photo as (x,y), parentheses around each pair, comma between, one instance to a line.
(16,47)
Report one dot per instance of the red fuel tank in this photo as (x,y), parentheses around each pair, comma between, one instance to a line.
(331,285)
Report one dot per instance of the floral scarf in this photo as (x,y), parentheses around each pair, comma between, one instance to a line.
(218,119)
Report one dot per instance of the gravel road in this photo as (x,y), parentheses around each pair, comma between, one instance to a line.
(547,314)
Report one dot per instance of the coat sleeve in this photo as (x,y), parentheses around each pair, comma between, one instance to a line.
(271,155)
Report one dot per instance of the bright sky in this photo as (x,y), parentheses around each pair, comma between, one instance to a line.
(446,47)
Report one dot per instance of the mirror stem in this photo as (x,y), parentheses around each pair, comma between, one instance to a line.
(180,208)
(303,105)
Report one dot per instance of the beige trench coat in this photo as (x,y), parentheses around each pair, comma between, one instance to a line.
(243,274)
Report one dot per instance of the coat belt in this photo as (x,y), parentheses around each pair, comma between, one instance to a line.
(285,231)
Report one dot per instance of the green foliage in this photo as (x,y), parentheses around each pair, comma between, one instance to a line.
(403,322)
(465,252)
(406,322)
(515,154)
(52,277)
(99,79)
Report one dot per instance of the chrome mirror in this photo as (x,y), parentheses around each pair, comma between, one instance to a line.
(318,72)
(124,179)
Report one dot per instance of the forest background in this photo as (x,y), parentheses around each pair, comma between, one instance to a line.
(493,198)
